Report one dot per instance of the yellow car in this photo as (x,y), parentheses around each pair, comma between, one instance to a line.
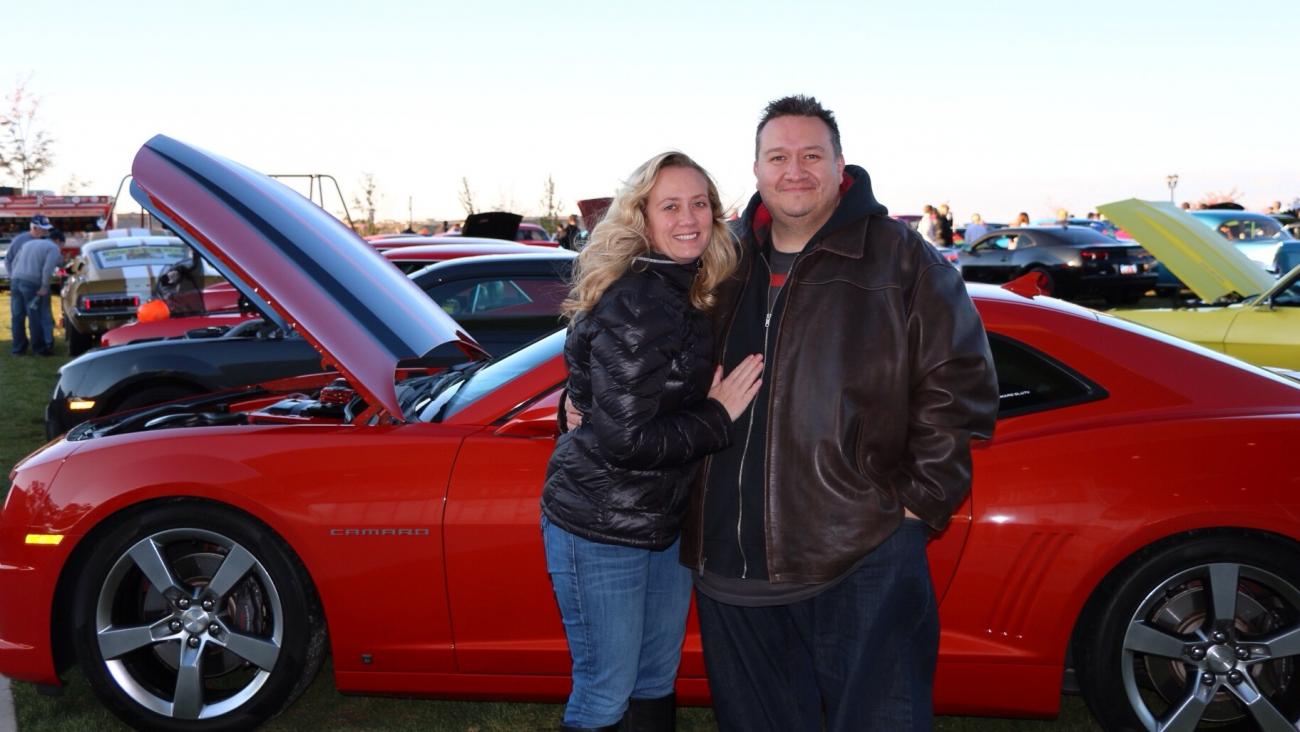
(1252,316)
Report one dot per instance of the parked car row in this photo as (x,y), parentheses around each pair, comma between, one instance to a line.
(198,559)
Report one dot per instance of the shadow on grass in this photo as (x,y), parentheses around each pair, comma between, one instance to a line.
(322,709)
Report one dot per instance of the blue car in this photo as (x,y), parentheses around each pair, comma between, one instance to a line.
(1259,236)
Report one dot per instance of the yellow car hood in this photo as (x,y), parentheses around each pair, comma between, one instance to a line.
(1207,263)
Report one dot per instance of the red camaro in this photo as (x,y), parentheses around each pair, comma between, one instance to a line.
(1135,519)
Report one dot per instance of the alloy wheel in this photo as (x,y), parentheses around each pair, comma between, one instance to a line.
(189,624)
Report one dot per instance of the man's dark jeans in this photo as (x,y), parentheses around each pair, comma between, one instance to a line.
(860,655)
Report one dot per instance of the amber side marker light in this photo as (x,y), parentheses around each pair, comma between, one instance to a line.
(81,405)
(46,539)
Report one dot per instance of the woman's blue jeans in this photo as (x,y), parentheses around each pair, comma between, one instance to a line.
(624,612)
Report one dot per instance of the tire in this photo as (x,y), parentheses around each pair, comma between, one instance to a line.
(231,587)
(150,395)
(1155,653)
(78,342)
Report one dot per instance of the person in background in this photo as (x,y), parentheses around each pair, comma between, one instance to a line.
(30,269)
(928,226)
(1022,219)
(975,229)
(642,377)
(567,237)
(945,225)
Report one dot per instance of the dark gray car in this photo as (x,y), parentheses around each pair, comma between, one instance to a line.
(1072,262)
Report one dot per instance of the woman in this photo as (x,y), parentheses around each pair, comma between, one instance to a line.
(641,375)
(1022,219)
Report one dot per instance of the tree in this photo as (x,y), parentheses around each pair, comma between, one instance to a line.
(367,202)
(466,197)
(75,185)
(24,147)
(552,206)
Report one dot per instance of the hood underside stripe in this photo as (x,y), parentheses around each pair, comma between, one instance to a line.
(387,337)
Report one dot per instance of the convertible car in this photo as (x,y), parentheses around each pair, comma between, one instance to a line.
(1134,520)
(1250,315)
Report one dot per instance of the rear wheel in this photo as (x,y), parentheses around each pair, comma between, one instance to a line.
(1199,635)
(78,342)
(196,617)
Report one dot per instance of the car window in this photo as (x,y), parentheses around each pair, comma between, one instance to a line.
(503,296)
(998,243)
(1248,228)
(144,254)
(1031,381)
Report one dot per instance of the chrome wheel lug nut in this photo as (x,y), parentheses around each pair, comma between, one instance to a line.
(174,626)
(1243,652)
(1235,676)
(1207,679)
(193,641)
(183,603)
(214,629)
(1197,653)
(207,605)
(1219,636)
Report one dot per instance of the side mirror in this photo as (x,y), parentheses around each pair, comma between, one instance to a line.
(536,420)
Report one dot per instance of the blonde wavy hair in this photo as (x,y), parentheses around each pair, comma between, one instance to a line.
(622,236)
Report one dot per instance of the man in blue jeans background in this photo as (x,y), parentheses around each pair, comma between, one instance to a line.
(31,264)
(807,535)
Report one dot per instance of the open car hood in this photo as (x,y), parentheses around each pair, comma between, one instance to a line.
(297,263)
(492,225)
(1206,262)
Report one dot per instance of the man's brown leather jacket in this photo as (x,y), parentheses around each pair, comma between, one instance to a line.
(878,375)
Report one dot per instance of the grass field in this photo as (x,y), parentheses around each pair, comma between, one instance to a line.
(26,385)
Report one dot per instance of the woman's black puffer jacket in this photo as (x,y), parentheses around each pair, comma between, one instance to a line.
(640,367)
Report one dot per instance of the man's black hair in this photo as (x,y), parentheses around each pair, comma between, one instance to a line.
(799,105)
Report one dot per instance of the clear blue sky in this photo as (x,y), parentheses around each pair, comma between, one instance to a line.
(993,107)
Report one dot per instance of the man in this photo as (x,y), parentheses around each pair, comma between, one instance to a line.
(975,229)
(945,225)
(31,265)
(808,534)
(568,236)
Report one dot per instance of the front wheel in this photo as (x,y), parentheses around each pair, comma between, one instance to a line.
(195,617)
(1200,635)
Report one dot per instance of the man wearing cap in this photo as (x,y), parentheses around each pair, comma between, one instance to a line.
(31,264)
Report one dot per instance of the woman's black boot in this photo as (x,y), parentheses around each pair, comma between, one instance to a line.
(650,715)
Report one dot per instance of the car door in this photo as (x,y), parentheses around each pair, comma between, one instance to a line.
(989,259)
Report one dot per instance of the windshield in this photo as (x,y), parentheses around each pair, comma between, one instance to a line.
(1289,297)
(454,393)
(143,254)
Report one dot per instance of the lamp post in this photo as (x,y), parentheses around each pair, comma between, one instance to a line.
(1172,182)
